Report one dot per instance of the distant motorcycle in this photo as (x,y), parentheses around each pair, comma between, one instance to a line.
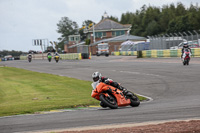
(112,97)
(57,58)
(49,58)
(29,58)
(186,57)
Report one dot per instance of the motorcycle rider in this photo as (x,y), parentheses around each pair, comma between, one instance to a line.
(185,46)
(56,54)
(29,56)
(97,77)
(48,54)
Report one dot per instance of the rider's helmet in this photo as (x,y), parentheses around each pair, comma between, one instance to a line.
(96,76)
(185,45)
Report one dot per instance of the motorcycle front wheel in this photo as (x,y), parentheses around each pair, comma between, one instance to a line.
(184,63)
(134,99)
(188,62)
(109,101)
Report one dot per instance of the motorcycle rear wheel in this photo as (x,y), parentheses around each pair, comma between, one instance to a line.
(110,101)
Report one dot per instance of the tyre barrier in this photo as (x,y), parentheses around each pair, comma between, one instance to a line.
(157,53)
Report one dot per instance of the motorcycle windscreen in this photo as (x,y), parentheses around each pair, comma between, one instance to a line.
(97,89)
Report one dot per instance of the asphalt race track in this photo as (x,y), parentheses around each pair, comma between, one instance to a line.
(174,88)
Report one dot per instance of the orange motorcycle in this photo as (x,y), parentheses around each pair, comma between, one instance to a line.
(112,97)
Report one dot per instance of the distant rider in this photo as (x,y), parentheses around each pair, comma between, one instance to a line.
(48,54)
(29,56)
(56,54)
(97,77)
(185,46)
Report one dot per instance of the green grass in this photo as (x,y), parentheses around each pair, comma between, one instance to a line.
(23,91)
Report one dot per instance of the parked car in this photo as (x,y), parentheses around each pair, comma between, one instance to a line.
(191,44)
(194,46)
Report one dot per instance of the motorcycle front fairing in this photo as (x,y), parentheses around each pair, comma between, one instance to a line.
(186,52)
(97,89)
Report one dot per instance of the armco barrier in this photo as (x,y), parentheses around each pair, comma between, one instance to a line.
(157,53)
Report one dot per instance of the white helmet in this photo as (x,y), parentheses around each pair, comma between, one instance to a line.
(96,76)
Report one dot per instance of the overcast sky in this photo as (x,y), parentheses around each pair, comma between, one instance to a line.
(21,21)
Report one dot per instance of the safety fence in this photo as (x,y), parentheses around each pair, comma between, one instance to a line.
(167,41)
(157,53)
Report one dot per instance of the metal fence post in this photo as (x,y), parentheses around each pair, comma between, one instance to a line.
(191,34)
(181,36)
(186,35)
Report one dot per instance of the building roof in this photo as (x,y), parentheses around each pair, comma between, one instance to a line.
(76,45)
(121,39)
(108,24)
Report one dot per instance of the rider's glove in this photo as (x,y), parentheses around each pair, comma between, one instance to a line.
(121,88)
(125,91)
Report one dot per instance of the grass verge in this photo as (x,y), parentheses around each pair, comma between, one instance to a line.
(23,91)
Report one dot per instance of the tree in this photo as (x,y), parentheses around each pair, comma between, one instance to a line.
(66,27)
(113,18)
(152,28)
(180,9)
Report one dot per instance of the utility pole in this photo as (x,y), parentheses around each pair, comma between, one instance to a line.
(93,33)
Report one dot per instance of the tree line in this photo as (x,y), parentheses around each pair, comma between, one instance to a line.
(13,53)
(169,19)
(147,21)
